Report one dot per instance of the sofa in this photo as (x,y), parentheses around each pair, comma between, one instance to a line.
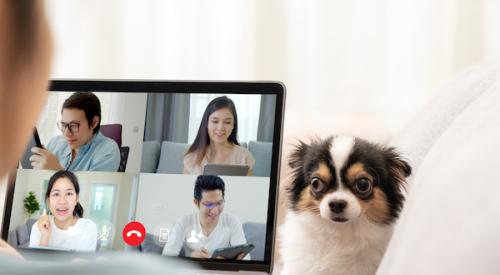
(451,219)
(20,237)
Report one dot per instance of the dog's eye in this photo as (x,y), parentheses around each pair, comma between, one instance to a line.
(317,184)
(363,186)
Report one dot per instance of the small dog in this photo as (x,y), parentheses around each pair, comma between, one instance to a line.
(345,195)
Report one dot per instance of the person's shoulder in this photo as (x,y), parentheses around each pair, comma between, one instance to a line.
(229,219)
(187,219)
(240,150)
(86,223)
(190,156)
(190,159)
(34,227)
(100,138)
(105,143)
(244,155)
(191,217)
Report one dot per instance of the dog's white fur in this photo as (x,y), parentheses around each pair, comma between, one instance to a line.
(342,146)
(314,245)
(352,210)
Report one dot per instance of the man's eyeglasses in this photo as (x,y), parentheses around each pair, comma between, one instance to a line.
(73,127)
(211,205)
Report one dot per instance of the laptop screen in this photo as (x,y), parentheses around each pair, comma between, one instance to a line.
(122,167)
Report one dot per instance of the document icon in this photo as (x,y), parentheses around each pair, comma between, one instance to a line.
(164,235)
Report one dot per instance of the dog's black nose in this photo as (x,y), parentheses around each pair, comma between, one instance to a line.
(337,206)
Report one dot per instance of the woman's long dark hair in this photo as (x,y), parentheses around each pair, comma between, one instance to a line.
(202,139)
(72,177)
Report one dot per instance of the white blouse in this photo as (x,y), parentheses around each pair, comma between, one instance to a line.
(80,237)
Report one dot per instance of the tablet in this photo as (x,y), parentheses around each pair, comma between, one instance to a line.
(33,142)
(231,252)
(225,169)
(135,105)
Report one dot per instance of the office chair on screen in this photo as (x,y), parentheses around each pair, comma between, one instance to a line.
(114,131)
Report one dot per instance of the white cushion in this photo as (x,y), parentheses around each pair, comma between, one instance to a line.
(451,219)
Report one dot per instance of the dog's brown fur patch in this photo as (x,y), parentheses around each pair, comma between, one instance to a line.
(323,172)
(356,171)
(376,209)
(307,202)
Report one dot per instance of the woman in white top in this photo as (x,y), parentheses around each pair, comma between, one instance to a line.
(216,141)
(64,228)
(203,232)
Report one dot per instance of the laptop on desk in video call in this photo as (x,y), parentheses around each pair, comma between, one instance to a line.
(157,122)
(225,169)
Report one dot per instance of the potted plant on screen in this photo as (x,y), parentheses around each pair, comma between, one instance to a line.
(31,205)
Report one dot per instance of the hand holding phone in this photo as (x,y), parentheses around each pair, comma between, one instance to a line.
(33,142)
(44,159)
(36,138)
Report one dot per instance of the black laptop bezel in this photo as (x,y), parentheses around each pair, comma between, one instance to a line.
(203,87)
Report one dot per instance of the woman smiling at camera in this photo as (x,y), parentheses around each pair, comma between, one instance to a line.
(216,141)
(64,227)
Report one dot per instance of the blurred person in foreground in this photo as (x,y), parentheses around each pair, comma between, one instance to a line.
(25,58)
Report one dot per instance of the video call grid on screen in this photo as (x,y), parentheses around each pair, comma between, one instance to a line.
(159,121)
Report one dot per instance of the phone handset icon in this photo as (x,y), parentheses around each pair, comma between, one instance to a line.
(135,232)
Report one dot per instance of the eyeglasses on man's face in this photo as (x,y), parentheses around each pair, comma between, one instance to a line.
(211,205)
(73,127)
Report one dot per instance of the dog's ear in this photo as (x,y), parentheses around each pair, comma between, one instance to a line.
(399,168)
(297,157)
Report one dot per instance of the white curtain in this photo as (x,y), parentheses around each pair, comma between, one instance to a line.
(248,118)
(361,67)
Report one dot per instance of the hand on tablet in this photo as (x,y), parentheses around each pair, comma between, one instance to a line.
(238,257)
(202,253)
(241,256)
(44,159)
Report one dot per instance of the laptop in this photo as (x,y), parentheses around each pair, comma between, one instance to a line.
(154,116)
(225,169)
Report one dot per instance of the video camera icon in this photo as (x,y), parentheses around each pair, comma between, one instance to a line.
(134,233)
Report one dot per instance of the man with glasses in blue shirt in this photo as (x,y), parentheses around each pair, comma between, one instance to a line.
(81,147)
(203,232)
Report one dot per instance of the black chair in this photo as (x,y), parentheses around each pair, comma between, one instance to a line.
(114,131)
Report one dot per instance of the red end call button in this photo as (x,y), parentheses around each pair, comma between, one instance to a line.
(134,233)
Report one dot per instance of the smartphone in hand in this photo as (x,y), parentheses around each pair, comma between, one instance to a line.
(33,142)
(36,138)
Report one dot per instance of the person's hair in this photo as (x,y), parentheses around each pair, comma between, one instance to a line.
(72,177)
(87,102)
(202,139)
(208,183)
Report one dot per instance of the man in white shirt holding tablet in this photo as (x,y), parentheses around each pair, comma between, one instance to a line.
(202,233)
